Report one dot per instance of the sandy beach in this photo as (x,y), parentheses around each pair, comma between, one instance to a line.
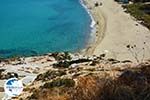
(115,30)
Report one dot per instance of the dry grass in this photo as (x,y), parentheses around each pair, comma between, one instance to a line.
(49,94)
(132,84)
(87,88)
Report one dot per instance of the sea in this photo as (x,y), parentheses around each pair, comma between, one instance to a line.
(36,27)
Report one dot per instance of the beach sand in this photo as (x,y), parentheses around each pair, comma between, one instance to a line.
(115,30)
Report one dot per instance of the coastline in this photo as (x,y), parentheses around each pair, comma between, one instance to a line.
(112,33)
(115,30)
(83,3)
(112,30)
(98,26)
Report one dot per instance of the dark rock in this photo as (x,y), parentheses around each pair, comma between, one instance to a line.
(11,75)
(8,75)
(94,63)
(111,59)
(126,61)
(61,56)
(62,64)
(2,70)
(96,4)
(1,89)
(102,55)
(66,64)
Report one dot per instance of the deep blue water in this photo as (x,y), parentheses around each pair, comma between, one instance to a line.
(30,27)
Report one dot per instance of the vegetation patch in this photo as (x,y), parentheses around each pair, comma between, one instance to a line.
(60,83)
(61,56)
(66,64)
(50,75)
(140,11)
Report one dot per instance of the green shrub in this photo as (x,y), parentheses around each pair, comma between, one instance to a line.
(59,83)
(138,11)
(62,64)
(61,56)
(66,64)
(50,75)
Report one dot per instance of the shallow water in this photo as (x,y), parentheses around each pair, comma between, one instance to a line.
(30,27)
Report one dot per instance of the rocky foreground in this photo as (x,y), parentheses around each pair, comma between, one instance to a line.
(64,76)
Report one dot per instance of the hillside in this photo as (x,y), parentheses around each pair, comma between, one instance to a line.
(90,78)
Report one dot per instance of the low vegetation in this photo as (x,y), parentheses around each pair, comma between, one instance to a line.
(59,83)
(61,56)
(140,11)
(50,75)
(66,64)
(132,84)
(7,75)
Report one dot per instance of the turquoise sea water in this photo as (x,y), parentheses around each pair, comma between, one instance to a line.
(30,27)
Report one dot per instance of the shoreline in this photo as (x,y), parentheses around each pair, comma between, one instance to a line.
(115,30)
(83,4)
(98,26)
(104,35)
